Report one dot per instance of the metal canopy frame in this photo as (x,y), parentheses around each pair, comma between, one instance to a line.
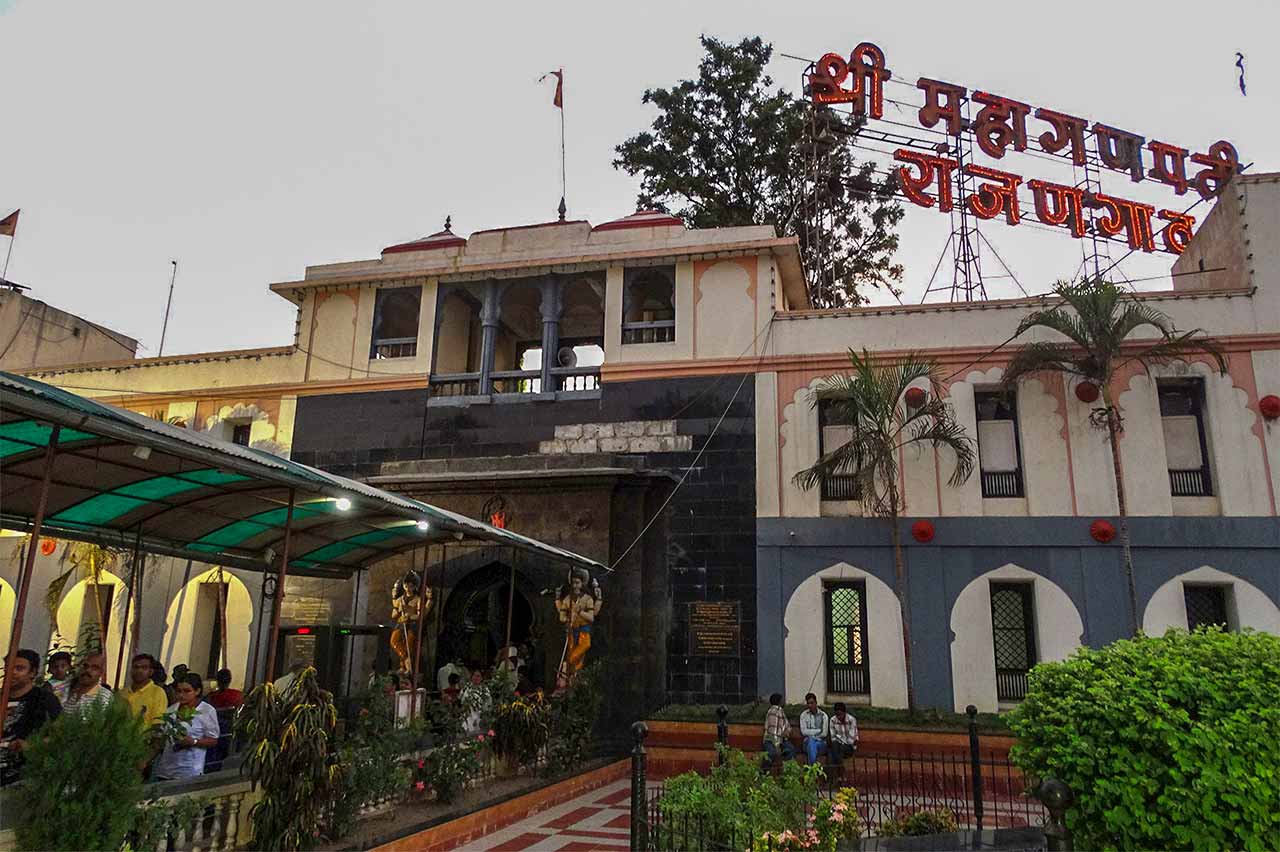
(78,469)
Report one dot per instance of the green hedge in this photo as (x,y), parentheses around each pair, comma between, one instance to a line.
(868,717)
(1168,742)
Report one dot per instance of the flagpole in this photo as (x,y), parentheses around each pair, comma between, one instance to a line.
(10,227)
(564,191)
(167,305)
(14,237)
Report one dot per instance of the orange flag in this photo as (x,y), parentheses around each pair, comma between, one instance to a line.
(9,224)
(558,100)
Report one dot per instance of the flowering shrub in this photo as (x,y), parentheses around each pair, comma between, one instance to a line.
(447,768)
(736,802)
(829,823)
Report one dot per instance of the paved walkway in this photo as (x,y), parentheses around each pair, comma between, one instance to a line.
(597,820)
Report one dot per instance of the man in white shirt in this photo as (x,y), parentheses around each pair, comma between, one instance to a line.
(813,727)
(442,676)
(844,733)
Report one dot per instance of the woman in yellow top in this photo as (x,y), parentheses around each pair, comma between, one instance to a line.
(409,602)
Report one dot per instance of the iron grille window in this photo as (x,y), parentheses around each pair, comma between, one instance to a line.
(845,617)
(240,433)
(834,432)
(999,454)
(1206,606)
(1185,446)
(1013,634)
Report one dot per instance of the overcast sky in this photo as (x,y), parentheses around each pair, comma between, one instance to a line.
(249,140)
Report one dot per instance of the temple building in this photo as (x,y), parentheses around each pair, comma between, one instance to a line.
(639,392)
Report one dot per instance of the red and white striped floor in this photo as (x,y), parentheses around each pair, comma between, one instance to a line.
(600,819)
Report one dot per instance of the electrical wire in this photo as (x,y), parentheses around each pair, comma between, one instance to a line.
(688,470)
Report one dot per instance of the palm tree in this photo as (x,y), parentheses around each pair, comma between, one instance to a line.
(1097,317)
(870,400)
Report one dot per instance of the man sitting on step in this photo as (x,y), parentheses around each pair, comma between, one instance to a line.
(844,733)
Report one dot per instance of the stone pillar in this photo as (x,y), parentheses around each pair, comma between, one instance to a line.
(490,316)
(552,308)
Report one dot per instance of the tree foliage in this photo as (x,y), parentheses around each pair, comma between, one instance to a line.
(728,149)
(870,400)
(81,780)
(1168,742)
(1097,319)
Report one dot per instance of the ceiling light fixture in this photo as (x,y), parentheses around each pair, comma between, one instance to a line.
(343,504)
(424,526)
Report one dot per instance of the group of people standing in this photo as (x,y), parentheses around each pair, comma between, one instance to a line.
(36,701)
(835,736)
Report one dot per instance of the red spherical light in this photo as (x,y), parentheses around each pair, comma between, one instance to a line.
(922,531)
(1102,531)
(916,397)
(1087,392)
(1269,405)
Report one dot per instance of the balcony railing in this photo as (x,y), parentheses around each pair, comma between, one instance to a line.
(1190,483)
(659,331)
(455,384)
(1002,483)
(841,487)
(567,379)
(517,381)
(577,378)
(395,347)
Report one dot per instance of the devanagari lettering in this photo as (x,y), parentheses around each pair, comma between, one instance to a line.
(931,166)
(932,112)
(1169,165)
(998,196)
(1058,205)
(1132,217)
(1223,163)
(1067,130)
(1001,122)
(1176,234)
(1120,150)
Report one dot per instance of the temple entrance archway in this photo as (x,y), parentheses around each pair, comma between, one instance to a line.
(474,620)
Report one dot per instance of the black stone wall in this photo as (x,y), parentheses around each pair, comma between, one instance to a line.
(710,522)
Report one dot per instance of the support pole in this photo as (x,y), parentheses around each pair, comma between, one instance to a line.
(511,601)
(251,677)
(28,565)
(639,797)
(415,671)
(128,607)
(444,559)
(975,762)
(141,573)
(222,619)
(278,602)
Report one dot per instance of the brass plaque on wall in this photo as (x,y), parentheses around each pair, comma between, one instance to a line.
(714,628)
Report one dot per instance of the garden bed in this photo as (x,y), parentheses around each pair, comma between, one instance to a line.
(407,821)
(868,717)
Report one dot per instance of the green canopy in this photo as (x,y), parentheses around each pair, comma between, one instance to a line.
(120,478)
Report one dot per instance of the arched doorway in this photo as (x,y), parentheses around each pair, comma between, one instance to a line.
(474,623)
